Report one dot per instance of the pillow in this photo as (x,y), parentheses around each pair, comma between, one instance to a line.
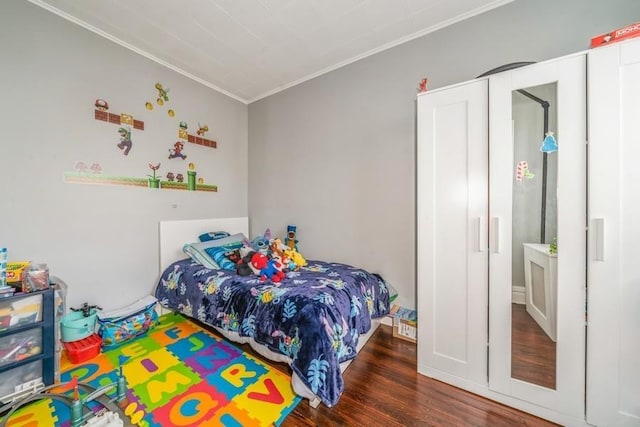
(211,254)
(213,235)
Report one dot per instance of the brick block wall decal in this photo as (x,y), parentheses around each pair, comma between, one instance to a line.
(202,141)
(118,119)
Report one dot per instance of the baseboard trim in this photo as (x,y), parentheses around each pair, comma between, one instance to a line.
(518,295)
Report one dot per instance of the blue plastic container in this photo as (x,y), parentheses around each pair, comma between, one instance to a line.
(75,326)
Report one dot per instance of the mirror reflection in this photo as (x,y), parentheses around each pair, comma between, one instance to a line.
(534,234)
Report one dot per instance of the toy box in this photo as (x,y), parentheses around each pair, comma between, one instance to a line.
(620,34)
(405,323)
(123,324)
(75,326)
(84,349)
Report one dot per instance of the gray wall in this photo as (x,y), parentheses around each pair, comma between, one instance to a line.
(336,155)
(102,240)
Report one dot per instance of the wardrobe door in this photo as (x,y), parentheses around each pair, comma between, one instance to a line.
(451,233)
(537,186)
(613,344)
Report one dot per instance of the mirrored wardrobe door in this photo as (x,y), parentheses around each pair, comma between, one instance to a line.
(537,164)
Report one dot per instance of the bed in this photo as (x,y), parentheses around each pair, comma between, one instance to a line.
(315,320)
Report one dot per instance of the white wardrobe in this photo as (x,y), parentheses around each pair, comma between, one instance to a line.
(613,341)
(507,242)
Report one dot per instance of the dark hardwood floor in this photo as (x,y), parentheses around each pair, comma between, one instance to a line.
(383,388)
(533,353)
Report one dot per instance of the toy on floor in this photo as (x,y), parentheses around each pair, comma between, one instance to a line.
(81,415)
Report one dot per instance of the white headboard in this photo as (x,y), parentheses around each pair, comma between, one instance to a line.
(174,234)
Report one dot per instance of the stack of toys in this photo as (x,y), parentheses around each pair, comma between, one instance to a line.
(269,258)
(78,333)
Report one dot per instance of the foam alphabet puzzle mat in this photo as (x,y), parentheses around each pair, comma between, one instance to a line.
(179,374)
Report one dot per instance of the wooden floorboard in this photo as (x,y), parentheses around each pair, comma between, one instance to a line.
(383,388)
(533,353)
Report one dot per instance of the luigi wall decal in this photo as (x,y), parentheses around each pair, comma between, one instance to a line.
(125,140)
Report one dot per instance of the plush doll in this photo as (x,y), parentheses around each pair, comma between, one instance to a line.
(267,268)
(244,266)
(296,257)
(290,240)
(259,243)
(276,247)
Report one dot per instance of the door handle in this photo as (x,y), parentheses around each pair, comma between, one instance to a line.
(495,230)
(598,225)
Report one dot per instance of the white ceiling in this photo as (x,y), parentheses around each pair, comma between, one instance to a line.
(249,49)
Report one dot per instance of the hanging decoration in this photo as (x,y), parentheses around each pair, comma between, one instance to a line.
(549,144)
(522,171)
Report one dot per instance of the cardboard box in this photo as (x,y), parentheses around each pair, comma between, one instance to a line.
(620,34)
(405,323)
(15,269)
(405,329)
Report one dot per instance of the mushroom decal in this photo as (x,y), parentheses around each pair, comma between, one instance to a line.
(96,167)
(81,166)
(101,105)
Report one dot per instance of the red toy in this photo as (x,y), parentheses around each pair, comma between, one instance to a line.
(268,268)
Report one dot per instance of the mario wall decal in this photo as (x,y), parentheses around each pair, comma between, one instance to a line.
(176,151)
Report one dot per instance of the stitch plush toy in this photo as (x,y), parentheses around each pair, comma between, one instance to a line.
(259,243)
(268,267)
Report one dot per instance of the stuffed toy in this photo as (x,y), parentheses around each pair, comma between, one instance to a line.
(267,267)
(296,257)
(259,243)
(290,240)
(244,267)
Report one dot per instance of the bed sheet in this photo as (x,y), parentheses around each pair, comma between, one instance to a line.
(314,316)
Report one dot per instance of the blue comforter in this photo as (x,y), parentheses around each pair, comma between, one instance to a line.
(314,316)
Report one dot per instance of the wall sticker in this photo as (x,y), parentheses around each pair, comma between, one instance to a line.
(176,175)
(522,171)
